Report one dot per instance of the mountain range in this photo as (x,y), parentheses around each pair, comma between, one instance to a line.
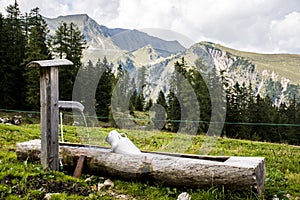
(103,41)
(276,75)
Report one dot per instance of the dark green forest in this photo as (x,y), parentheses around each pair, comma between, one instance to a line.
(25,37)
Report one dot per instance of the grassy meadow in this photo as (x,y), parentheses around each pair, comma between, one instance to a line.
(27,180)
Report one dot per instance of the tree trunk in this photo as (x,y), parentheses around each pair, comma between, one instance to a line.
(172,169)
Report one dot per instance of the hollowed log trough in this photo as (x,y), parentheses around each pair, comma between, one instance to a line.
(179,170)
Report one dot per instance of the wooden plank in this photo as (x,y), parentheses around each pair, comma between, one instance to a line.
(49,63)
(193,172)
(45,129)
(79,166)
(49,117)
(54,119)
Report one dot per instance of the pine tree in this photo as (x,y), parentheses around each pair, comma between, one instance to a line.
(121,98)
(292,113)
(68,42)
(174,112)
(12,83)
(161,100)
(86,87)
(160,113)
(4,67)
(59,42)
(174,108)
(104,90)
(149,105)
(243,103)
(199,85)
(76,45)
(234,113)
(140,102)
(36,49)
(132,101)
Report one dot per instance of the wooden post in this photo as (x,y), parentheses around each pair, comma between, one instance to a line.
(79,166)
(49,110)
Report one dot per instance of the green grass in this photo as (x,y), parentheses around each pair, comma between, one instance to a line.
(27,180)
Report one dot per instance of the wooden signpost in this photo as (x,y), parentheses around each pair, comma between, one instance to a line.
(49,110)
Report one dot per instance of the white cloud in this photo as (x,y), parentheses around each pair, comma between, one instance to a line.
(285,32)
(257,25)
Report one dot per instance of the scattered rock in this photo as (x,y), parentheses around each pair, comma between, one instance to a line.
(48,196)
(123,196)
(75,123)
(89,179)
(107,184)
(16,120)
(275,197)
(4,120)
(184,196)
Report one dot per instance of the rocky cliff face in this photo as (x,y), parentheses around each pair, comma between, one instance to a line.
(230,67)
(239,69)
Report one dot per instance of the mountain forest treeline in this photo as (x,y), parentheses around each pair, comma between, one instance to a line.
(26,37)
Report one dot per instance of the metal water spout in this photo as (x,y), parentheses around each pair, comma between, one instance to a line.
(71,105)
(74,105)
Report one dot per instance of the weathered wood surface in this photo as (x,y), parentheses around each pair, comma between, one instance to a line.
(234,172)
(79,166)
(49,63)
(49,117)
(49,110)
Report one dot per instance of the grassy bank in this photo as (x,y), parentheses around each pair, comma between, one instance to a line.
(25,180)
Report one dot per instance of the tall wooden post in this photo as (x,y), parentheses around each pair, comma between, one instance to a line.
(49,110)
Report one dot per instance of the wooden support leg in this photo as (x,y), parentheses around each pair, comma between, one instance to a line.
(79,167)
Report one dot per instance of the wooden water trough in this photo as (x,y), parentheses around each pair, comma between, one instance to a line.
(179,170)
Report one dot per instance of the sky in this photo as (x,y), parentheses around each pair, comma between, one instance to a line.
(264,26)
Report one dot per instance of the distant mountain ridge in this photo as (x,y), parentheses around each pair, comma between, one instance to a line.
(102,37)
(276,75)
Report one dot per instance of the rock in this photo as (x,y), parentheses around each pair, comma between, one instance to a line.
(4,120)
(275,197)
(16,119)
(75,123)
(88,179)
(48,196)
(184,196)
(107,184)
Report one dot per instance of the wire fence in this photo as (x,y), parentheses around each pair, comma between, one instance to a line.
(70,115)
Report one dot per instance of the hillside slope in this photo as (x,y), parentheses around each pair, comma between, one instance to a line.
(285,65)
